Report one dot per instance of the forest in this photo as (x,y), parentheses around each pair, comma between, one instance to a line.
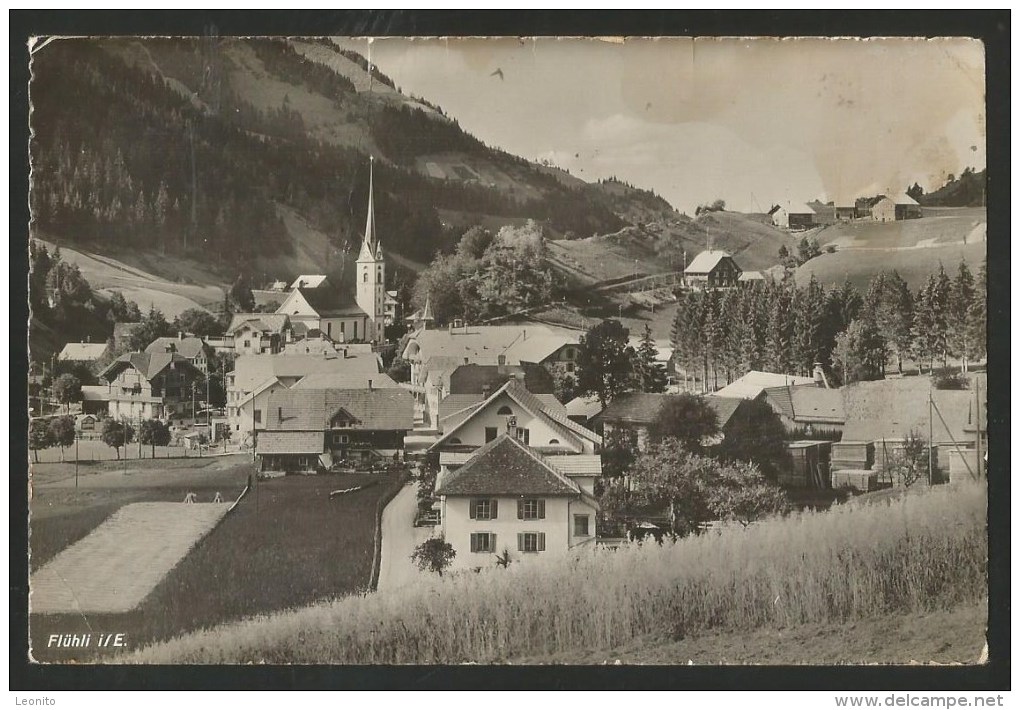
(718,336)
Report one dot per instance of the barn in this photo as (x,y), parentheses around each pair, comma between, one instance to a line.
(892,208)
(793,216)
(712,268)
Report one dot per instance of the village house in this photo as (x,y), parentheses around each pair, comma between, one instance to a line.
(637,412)
(258,333)
(87,353)
(194,349)
(753,384)
(508,500)
(539,421)
(160,385)
(318,305)
(312,429)
(891,208)
(808,409)
(825,212)
(391,308)
(256,377)
(793,216)
(712,268)
(467,385)
(433,354)
(749,277)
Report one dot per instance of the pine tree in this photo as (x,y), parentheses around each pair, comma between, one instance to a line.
(650,375)
(930,317)
(961,300)
(808,327)
(978,315)
(777,339)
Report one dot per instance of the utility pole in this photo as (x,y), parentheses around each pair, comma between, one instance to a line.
(931,446)
(977,422)
(76,459)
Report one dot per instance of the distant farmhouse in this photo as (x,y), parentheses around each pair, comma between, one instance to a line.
(892,208)
(712,268)
(82,352)
(793,216)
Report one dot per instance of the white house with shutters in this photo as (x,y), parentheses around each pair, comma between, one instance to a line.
(517,478)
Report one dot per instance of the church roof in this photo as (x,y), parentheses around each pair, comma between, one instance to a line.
(371,250)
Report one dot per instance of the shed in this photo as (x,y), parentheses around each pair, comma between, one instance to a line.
(809,465)
(848,455)
(857,479)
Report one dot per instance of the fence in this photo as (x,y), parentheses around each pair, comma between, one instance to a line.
(93,450)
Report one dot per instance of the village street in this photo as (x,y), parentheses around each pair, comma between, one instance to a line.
(399,538)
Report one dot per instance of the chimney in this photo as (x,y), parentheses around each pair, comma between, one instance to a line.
(486,390)
(519,376)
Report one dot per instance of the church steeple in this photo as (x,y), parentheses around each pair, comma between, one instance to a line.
(371,272)
(369,250)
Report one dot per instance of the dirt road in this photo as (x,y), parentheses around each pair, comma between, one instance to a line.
(399,538)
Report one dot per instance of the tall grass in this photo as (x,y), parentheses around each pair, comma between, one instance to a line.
(913,553)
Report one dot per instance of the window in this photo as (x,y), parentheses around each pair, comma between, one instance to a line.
(483,542)
(341,327)
(531,509)
(329,329)
(341,438)
(581,526)
(355,336)
(531,542)
(454,440)
(247,343)
(524,436)
(484,509)
(364,278)
(553,441)
(569,353)
(505,411)
(570,367)
(490,433)
(258,416)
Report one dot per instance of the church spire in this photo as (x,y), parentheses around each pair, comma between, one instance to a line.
(368,246)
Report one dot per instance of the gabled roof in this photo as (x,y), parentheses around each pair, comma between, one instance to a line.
(190,347)
(900,198)
(147,364)
(390,409)
(725,408)
(345,380)
(82,352)
(817,404)
(475,342)
(547,409)
(751,276)
(797,208)
(633,407)
(537,348)
(308,281)
(891,409)
(327,303)
(587,407)
(290,442)
(262,322)
(576,465)
(707,260)
(253,370)
(506,467)
(751,385)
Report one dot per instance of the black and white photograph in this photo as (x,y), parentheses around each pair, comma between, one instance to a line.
(525,351)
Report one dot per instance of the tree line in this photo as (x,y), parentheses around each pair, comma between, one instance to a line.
(718,336)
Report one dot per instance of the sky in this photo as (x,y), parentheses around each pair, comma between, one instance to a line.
(755,122)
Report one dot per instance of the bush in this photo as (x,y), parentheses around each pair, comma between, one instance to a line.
(950,379)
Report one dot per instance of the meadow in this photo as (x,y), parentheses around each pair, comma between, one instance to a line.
(907,555)
(286,545)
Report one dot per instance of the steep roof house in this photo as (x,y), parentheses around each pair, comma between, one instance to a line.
(506,499)
(712,268)
(309,429)
(893,207)
(191,347)
(793,216)
(152,385)
(82,352)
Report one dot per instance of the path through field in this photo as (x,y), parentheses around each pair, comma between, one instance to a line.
(114,568)
(399,538)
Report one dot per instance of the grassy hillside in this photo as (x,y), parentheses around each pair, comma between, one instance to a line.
(914,265)
(939,226)
(909,555)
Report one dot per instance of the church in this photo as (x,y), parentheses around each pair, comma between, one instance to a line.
(315,307)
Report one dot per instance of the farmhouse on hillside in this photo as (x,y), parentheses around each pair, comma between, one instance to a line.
(891,208)
(793,216)
(712,268)
(310,429)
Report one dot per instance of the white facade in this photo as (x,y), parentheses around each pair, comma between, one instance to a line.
(565,517)
(371,275)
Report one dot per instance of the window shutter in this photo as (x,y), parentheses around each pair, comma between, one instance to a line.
(541,542)
(495,509)
(541,509)
(492,542)
(474,509)
(520,510)
(520,542)
(474,542)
